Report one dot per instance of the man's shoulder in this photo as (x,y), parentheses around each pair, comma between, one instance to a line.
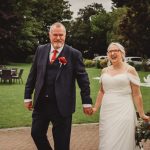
(42,46)
(72,49)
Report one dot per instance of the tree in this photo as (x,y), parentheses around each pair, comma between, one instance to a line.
(24,24)
(49,11)
(8,27)
(135,26)
(29,29)
(34,29)
(80,30)
(121,3)
(100,26)
(114,34)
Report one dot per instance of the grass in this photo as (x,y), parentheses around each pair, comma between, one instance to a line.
(13,113)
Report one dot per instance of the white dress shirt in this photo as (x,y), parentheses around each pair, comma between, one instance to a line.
(52,51)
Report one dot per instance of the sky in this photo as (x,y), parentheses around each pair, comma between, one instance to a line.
(77,4)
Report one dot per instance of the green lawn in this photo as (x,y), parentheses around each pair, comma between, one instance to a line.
(13,113)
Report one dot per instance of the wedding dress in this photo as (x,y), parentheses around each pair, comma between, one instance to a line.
(117,113)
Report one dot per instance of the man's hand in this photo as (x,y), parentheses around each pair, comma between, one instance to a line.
(28,105)
(88,110)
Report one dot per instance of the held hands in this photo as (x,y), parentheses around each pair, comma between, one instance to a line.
(89,110)
(28,105)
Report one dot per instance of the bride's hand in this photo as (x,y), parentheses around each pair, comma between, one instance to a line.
(145,117)
(94,110)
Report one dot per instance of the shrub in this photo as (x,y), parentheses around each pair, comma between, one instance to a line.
(89,63)
(131,63)
(146,67)
(97,64)
(138,67)
(103,63)
(29,59)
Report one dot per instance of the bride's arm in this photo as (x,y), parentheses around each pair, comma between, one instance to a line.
(98,99)
(99,96)
(137,96)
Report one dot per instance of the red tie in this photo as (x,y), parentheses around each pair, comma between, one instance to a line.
(53,56)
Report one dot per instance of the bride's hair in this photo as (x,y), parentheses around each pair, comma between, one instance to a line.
(120,47)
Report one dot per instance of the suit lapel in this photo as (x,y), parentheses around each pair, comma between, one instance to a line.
(64,53)
(46,57)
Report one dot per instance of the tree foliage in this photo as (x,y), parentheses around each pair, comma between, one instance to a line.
(121,3)
(24,24)
(114,34)
(29,29)
(49,11)
(100,26)
(81,36)
(135,26)
(8,28)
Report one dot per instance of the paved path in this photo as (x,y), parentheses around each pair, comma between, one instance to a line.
(83,137)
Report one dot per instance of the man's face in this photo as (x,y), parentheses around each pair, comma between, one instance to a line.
(57,37)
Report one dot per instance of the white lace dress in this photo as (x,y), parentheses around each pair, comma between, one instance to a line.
(117,113)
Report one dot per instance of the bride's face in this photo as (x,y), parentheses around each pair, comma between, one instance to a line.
(114,54)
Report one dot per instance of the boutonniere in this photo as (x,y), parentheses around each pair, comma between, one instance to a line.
(62,61)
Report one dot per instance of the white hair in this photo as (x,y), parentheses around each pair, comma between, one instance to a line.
(120,47)
(58,25)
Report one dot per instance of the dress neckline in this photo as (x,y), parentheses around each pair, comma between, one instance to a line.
(123,72)
(115,74)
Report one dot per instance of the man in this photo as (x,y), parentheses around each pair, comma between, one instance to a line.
(53,74)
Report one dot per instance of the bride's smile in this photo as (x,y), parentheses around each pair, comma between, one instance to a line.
(115,55)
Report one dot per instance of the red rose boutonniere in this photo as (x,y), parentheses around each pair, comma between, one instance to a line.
(62,61)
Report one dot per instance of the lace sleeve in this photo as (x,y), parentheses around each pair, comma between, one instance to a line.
(133,76)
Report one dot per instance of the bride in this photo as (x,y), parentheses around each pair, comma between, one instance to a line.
(119,91)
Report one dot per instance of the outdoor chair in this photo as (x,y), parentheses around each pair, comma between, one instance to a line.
(18,77)
(14,71)
(6,76)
